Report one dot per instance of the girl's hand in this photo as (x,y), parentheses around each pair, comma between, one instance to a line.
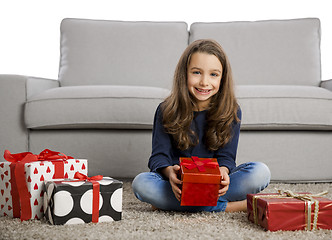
(171,172)
(224,184)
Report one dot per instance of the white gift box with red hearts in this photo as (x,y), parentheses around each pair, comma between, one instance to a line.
(35,174)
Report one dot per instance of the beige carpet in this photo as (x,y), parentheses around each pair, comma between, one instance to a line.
(140,222)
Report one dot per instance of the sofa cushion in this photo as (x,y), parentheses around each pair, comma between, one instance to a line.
(127,107)
(285,107)
(101,52)
(275,52)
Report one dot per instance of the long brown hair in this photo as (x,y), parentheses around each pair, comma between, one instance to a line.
(178,108)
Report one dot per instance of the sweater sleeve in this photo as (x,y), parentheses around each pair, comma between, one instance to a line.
(226,155)
(161,155)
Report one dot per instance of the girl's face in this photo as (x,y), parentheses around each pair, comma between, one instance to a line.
(203,78)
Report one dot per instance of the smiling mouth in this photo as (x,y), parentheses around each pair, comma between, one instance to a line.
(204,91)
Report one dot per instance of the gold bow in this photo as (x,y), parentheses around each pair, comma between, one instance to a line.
(307,198)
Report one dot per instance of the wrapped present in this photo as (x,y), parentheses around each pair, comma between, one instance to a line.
(88,199)
(200,181)
(22,177)
(288,211)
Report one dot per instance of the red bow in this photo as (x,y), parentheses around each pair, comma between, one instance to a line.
(81,176)
(195,162)
(95,192)
(20,194)
(46,155)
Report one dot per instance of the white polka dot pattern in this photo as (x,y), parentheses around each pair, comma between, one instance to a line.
(70,202)
(86,201)
(116,200)
(63,210)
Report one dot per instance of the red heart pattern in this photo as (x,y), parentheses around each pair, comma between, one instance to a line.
(36,173)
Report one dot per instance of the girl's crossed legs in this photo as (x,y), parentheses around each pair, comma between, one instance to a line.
(151,187)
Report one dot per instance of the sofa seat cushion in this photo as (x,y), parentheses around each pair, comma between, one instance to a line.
(285,107)
(125,107)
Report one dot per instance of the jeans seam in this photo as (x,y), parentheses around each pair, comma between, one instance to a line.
(239,169)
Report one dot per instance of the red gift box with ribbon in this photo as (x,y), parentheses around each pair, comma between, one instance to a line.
(22,177)
(200,181)
(290,211)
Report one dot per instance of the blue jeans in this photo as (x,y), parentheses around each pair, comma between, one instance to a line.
(153,188)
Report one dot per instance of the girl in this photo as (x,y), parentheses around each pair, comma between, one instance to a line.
(201,118)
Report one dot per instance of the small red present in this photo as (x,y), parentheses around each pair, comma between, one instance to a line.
(200,181)
(288,211)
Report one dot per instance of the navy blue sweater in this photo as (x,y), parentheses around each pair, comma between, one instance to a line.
(165,153)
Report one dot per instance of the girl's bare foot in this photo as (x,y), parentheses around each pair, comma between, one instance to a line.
(238,206)
(154,208)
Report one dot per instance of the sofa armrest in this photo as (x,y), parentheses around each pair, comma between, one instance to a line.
(14,91)
(327,84)
(37,85)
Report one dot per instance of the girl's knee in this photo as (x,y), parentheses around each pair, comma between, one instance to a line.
(139,184)
(138,180)
(263,170)
(261,175)
(148,187)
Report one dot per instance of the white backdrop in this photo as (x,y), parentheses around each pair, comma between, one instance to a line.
(30,35)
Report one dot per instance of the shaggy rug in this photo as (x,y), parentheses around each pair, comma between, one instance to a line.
(139,221)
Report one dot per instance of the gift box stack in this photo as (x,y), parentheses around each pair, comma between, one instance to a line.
(200,181)
(290,211)
(23,178)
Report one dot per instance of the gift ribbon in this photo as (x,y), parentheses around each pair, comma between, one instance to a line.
(20,193)
(307,198)
(197,163)
(95,192)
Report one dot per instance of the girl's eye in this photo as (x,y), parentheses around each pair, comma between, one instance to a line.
(196,72)
(214,75)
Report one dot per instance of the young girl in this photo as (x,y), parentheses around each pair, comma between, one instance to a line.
(200,118)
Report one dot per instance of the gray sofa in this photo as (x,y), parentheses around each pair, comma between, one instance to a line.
(113,74)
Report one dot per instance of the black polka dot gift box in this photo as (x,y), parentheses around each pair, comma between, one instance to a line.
(74,201)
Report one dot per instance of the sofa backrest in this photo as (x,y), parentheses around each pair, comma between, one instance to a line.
(98,52)
(273,52)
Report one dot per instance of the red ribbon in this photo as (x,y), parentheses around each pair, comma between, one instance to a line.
(81,176)
(20,193)
(199,164)
(95,192)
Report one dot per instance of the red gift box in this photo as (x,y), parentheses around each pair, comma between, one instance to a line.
(200,181)
(288,211)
